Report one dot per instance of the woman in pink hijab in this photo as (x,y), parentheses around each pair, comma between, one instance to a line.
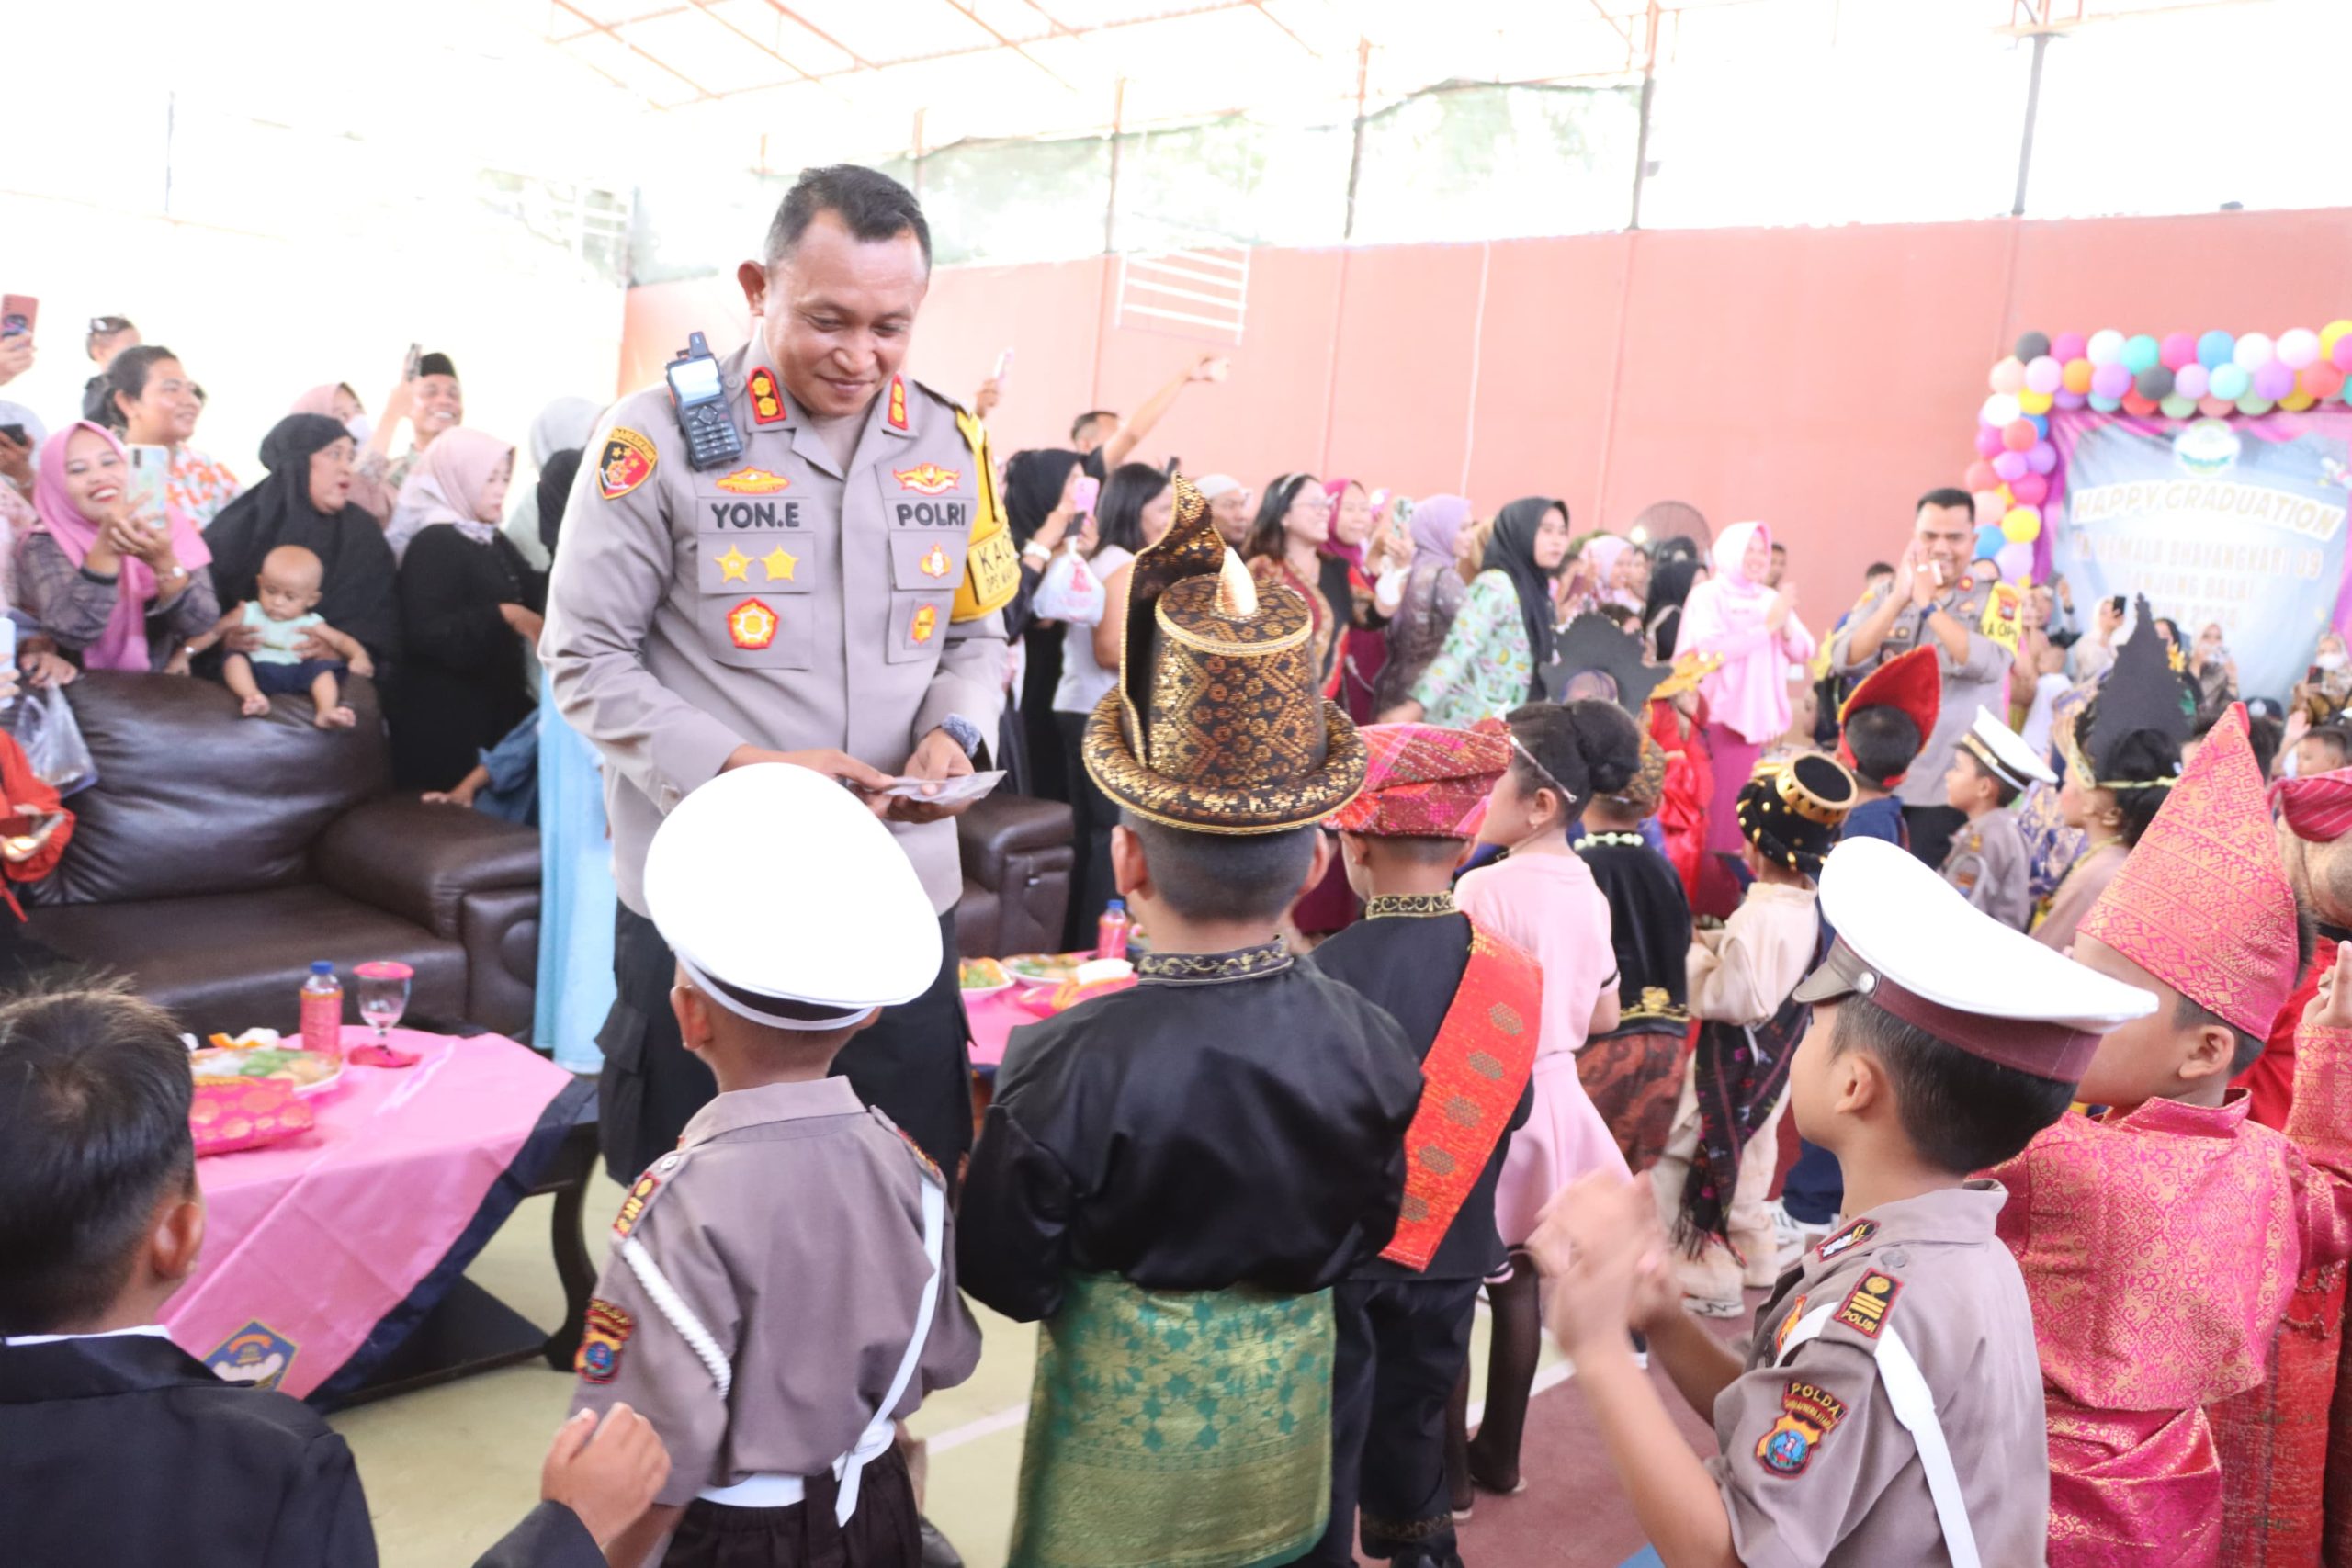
(1756,630)
(117,590)
(469,606)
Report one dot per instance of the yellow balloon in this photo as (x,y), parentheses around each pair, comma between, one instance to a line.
(2296,402)
(2329,333)
(2033,403)
(2022,526)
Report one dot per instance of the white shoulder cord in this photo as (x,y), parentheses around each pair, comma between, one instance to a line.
(1915,1406)
(883,1429)
(682,1316)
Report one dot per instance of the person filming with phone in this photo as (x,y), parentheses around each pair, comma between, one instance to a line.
(1932,601)
(115,575)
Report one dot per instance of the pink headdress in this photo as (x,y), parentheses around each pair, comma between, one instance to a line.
(2203,903)
(1424,781)
(2318,810)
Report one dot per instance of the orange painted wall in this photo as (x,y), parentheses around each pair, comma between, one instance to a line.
(1818,378)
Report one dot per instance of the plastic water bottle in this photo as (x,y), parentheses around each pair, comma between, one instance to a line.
(1111,931)
(323,1013)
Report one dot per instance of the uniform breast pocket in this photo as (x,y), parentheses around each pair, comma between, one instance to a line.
(753,606)
(926,558)
(917,626)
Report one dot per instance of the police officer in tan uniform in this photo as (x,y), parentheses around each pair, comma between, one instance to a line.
(828,598)
(1934,601)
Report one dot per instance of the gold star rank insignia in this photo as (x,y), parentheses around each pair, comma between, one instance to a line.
(779,563)
(734,566)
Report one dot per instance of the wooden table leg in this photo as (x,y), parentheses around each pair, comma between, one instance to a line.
(575,1164)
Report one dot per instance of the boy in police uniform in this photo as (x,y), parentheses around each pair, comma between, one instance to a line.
(782,1286)
(829,597)
(1889,1409)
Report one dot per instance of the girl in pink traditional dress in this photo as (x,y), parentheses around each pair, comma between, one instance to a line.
(1543,898)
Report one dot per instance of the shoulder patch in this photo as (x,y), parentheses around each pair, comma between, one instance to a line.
(1867,1305)
(641,1194)
(1853,1235)
(608,1328)
(1780,1335)
(767,399)
(929,1167)
(627,461)
(1808,1414)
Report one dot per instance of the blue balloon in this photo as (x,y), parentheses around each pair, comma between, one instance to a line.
(1989,540)
(2214,349)
(2140,352)
(2105,405)
(2041,422)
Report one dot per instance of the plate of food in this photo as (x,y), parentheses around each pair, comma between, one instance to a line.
(307,1071)
(1047,968)
(982,977)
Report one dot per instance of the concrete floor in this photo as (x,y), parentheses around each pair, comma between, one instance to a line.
(449,1470)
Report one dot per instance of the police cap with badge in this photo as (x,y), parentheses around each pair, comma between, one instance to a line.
(1910,942)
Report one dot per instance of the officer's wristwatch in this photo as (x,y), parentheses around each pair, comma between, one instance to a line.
(964,732)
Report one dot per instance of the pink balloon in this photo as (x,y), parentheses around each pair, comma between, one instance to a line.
(2020,434)
(2273,381)
(2341,354)
(2009,376)
(2214,408)
(2030,489)
(2010,466)
(2137,406)
(2042,458)
(1980,476)
(2069,345)
(2068,401)
(2322,381)
(2045,374)
(2192,380)
(2178,349)
(1988,441)
(2111,380)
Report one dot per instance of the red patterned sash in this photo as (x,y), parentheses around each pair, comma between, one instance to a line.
(1471,1080)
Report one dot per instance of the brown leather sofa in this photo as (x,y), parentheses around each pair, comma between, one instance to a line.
(216,856)
(1017,859)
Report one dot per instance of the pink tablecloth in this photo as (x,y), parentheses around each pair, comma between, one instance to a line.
(310,1243)
(993,1018)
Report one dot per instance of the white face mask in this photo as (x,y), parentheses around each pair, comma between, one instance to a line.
(2330,663)
(360,426)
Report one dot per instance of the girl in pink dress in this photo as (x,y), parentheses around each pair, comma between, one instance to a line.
(1754,629)
(1544,898)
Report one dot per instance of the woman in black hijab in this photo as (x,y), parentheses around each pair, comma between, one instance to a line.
(1036,502)
(1502,638)
(1676,568)
(306,501)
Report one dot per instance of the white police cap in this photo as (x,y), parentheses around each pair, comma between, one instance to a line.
(1910,942)
(2005,753)
(788,902)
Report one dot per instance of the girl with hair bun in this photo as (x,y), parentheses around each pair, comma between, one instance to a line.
(1543,898)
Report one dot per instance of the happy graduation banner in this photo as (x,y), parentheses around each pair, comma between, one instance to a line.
(2239,522)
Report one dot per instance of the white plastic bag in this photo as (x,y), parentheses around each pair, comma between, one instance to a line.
(1070,592)
(52,741)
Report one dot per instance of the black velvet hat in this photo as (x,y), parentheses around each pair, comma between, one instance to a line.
(1793,811)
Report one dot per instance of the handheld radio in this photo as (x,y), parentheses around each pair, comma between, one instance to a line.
(699,397)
